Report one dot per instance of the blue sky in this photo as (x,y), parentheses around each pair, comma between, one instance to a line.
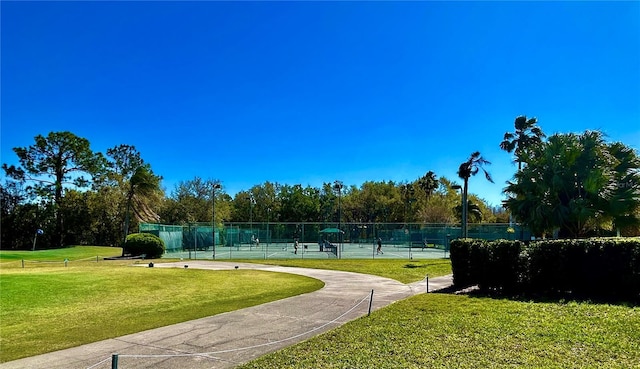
(312,92)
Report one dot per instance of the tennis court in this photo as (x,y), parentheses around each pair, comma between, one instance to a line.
(317,240)
(286,250)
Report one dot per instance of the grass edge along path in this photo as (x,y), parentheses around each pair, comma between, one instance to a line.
(459,331)
(46,309)
(401,270)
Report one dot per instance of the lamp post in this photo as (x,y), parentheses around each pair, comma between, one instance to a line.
(268,235)
(216,186)
(252,202)
(337,186)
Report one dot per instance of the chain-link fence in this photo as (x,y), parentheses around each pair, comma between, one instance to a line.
(319,240)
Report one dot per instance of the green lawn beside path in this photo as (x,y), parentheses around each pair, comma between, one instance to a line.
(459,331)
(59,255)
(404,271)
(49,307)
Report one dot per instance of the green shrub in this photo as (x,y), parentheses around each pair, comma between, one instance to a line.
(459,253)
(479,263)
(585,268)
(505,266)
(146,244)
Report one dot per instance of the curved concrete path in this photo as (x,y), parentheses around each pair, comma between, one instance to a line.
(229,339)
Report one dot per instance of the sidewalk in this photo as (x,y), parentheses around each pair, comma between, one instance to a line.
(230,339)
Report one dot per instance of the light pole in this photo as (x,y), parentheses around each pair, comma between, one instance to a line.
(252,202)
(337,186)
(216,186)
(267,235)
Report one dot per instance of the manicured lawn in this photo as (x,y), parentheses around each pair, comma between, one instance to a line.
(47,308)
(457,331)
(70,253)
(401,270)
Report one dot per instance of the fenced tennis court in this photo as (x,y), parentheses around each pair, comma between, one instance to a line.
(318,240)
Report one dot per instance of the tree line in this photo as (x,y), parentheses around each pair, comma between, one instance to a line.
(64,193)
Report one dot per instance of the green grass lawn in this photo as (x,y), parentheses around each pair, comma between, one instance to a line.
(458,331)
(70,253)
(48,308)
(401,270)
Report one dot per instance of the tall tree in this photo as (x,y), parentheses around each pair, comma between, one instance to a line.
(59,160)
(137,182)
(526,135)
(469,168)
(428,183)
(143,183)
(299,203)
(194,197)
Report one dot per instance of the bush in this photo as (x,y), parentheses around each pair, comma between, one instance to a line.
(585,268)
(505,266)
(479,263)
(460,250)
(146,244)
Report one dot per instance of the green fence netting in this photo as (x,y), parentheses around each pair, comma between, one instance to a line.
(325,240)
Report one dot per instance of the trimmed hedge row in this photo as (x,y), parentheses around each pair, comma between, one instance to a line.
(146,244)
(597,267)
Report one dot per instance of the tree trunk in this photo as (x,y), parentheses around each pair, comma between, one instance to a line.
(464,208)
(58,238)
(126,220)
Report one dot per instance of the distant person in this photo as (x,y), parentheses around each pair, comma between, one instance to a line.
(295,247)
(379,250)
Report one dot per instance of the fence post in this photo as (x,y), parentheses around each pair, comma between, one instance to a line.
(427,278)
(370,302)
(114,361)
(22,263)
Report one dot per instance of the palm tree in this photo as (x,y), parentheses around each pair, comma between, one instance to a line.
(142,183)
(527,134)
(469,168)
(474,211)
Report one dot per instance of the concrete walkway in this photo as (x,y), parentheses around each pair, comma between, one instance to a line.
(230,339)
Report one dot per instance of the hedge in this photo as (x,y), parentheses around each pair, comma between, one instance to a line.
(146,244)
(585,268)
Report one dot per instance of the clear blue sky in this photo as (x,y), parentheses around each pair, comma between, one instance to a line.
(312,92)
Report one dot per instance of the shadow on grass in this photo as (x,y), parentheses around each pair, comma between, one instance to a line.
(557,297)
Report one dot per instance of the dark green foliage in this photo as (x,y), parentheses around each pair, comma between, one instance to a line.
(460,251)
(504,267)
(144,244)
(577,184)
(586,268)
(479,265)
